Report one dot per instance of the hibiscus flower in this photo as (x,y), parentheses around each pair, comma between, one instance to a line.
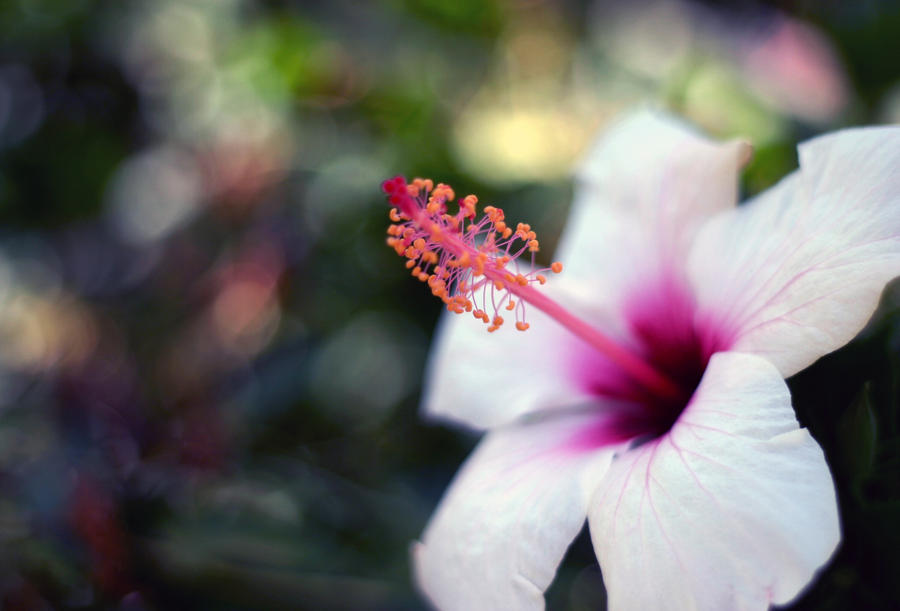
(648,394)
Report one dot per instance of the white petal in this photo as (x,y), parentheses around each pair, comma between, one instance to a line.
(640,194)
(733,509)
(505,523)
(486,379)
(796,273)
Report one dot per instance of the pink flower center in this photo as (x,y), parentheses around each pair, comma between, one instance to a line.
(663,330)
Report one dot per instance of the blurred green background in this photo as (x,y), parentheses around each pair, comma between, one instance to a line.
(210,362)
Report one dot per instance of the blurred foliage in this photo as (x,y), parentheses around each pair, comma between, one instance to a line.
(210,364)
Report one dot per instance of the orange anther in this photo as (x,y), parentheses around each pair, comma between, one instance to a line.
(419,244)
(394,216)
(467,206)
(522,326)
(478,267)
(522,280)
(410,264)
(541,278)
(556,267)
(498,320)
(507,232)
(511,305)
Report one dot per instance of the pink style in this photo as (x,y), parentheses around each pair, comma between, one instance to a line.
(647,395)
